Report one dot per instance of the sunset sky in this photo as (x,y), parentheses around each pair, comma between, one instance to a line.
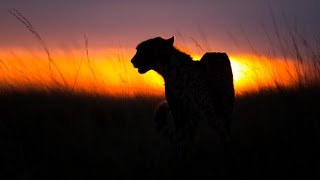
(125,22)
(238,27)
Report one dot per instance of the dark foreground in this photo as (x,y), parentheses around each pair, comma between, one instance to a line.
(74,136)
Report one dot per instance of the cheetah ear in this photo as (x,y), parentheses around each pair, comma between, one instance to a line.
(171,40)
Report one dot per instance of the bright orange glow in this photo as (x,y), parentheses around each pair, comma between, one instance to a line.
(108,72)
(105,72)
(256,73)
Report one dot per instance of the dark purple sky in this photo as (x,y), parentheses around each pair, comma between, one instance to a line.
(216,24)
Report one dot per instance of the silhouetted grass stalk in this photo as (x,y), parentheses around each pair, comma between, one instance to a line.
(78,70)
(88,58)
(29,26)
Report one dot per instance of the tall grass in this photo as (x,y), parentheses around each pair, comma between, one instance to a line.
(294,45)
(65,86)
(30,27)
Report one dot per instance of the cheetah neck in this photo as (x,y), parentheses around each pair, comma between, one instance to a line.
(175,67)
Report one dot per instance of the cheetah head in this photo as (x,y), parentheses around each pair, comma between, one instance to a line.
(152,53)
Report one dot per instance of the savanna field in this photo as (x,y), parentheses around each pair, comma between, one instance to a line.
(82,113)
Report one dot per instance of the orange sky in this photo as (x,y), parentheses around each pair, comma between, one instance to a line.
(109,71)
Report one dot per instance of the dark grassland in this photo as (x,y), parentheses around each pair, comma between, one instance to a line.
(78,136)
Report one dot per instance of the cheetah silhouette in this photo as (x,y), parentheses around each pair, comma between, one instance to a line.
(196,91)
